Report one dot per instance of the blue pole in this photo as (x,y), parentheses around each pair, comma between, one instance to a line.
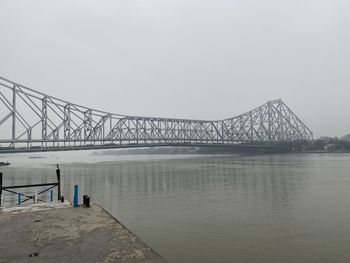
(76,195)
(51,196)
(19,199)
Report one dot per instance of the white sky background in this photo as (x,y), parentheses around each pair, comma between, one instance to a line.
(185,59)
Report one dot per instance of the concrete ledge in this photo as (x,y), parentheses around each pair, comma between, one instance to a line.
(65,234)
(35,207)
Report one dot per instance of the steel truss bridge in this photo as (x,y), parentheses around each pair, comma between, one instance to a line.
(33,121)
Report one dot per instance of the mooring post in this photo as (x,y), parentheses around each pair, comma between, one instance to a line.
(84,199)
(58,174)
(19,199)
(36,197)
(87,201)
(51,196)
(1,189)
(76,195)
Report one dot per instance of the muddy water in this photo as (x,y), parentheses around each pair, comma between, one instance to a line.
(219,208)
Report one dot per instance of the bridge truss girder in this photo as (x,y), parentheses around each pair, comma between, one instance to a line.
(37,120)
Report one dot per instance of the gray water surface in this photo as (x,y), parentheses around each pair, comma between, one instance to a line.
(218,208)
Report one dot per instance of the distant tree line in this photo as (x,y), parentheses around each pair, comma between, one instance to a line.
(332,144)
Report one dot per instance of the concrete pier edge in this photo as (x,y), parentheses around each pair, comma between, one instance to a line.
(58,232)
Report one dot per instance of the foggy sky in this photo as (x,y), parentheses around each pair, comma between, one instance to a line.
(185,59)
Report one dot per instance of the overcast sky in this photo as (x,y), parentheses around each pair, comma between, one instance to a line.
(185,59)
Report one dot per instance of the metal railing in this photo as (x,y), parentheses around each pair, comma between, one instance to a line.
(22,198)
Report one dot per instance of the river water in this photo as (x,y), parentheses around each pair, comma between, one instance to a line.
(217,208)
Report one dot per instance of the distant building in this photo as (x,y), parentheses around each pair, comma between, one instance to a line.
(325,138)
(330,146)
(346,138)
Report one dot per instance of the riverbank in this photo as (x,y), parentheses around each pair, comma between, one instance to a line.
(60,233)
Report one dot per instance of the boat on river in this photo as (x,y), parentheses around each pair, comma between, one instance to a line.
(4,163)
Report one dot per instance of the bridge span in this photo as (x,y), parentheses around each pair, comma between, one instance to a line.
(33,121)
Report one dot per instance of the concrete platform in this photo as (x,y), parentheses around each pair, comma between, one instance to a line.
(61,233)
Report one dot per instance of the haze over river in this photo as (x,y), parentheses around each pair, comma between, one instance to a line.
(217,208)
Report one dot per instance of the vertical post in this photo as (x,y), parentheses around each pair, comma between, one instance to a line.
(75,195)
(251,126)
(29,137)
(1,189)
(110,127)
(19,199)
(14,116)
(44,121)
(66,124)
(281,120)
(269,121)
(51,196)
(58,174)
(87,125)
(36,197)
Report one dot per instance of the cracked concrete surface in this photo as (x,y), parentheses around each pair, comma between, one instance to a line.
(69,234)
